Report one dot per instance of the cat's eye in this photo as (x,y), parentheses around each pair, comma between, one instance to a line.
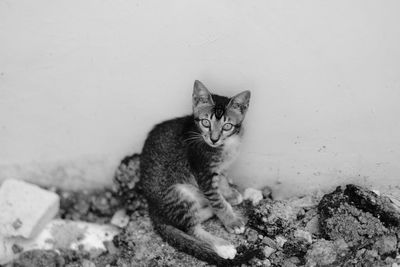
(206,123)
(227,126)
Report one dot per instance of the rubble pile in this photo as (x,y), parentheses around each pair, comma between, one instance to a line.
(351,226)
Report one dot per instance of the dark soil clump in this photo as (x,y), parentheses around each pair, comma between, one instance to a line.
(368,201)
(48,258)
(96,206)
(126,186)
(367,223)
(340,218)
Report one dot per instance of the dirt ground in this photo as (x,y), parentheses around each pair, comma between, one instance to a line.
(351,226)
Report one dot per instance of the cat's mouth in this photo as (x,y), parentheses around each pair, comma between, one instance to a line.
(211,144)
(214,145)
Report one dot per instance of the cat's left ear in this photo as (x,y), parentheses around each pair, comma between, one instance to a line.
(201,95)
(240,102)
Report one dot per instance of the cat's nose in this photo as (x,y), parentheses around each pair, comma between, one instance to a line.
(214,140)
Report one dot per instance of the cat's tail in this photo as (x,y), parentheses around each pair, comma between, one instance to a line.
(193,246)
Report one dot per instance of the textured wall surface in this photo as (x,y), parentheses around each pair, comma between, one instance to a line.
(82,82)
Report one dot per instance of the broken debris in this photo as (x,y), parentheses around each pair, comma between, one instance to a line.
(348,227)
(25,208)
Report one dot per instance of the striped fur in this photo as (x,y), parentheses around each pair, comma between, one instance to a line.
(183,174)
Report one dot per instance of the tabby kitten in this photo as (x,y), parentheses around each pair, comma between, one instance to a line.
(183,167)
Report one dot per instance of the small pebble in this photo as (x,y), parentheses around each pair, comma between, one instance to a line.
(120,218)
(254,195)
(267,251)
(17,249)
(267,192)
(280,240)
(88,263)
(252,235)
(303,235)
(269,242)
(266,262)
(313,225)
(17,224)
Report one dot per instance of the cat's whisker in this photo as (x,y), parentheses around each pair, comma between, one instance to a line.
(195,142)
(191,138)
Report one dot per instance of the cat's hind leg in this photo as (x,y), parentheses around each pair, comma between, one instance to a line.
(204,210)
(222,247)
(185,207)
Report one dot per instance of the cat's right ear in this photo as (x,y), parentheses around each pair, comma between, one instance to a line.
(201,95)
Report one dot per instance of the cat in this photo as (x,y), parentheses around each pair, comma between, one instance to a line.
(183,170)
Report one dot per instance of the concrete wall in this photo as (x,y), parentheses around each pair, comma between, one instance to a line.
(82,82)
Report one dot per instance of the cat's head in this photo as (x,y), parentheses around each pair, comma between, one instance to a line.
(218,118)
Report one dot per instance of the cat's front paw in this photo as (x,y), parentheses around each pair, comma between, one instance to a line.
(234,224)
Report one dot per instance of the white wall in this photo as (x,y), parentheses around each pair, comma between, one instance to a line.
(82,82)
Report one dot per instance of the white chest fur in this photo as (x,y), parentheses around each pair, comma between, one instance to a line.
(228,155)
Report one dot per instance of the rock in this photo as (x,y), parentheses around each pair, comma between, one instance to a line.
(359,217)
(267,251)
(339,218)
(295,260)
(126,179)
(322,253)
(312,225)
(327,253)
(295,247)
(395,201)
(272,218)
(254,195)
(17,249)
(341,247)
(280,240)
(368,201)
(303,235)
(120,218)
(88,263)
(128,172)
(40,258)
(303,202)
(269,242)
(251,235)
(266,263)
(62,235)
(267,192)
(95,206)
(111,248)
(25,208)
(371,255)
(101,204)
(377,192)
(386,245)
(288,263)
(80,235)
